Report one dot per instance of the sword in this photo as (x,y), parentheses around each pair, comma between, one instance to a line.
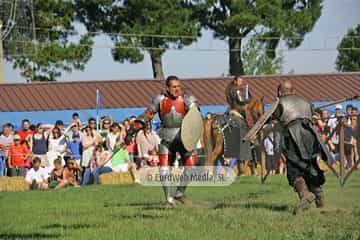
(254,131)
(337,101)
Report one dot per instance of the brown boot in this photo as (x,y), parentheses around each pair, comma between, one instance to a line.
(320,196)
(306,197)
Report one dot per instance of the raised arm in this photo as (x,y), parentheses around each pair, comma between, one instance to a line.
(150,112)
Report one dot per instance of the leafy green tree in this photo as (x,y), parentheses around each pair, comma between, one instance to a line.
(234,20)
(257,62)
(348,59)
(140,26)
(43,43)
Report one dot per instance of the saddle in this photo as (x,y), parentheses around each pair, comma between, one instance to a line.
(234,127)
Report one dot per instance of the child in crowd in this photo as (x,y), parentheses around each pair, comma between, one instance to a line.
(75,147)
(76,119)
(37,176)
(56,174)
(71,175)
(18,153)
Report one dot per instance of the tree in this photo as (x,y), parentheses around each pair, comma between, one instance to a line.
(136,26)
(257,62)
(348,59)
(43,42)
(234,20)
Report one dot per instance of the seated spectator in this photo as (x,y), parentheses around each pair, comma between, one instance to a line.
(148,146)
(101,164)
(75,148)
(56,174)
(37,176)
(71,175)
(121,163)
(17,155)
(6,139)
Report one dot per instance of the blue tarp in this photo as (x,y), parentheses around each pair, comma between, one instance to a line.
(118,114)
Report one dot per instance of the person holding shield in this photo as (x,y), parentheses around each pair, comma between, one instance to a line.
(178,135)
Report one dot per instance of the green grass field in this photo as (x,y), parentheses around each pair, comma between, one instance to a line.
(244,210)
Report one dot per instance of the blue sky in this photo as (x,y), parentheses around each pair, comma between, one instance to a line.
(317,54)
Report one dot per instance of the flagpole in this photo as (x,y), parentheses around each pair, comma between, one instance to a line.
(97,109)
(247,92)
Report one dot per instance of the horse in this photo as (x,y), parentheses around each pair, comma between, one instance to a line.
(213,138)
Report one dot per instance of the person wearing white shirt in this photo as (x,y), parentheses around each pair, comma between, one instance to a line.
(37,176)
(333,122)
(271,165)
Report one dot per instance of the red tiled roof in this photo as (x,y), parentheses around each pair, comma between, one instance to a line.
(138,93)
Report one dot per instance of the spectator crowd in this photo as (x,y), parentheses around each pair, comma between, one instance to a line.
(54,156)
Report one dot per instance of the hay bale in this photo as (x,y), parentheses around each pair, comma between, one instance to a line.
(246,168)
(114,178)
(13,184)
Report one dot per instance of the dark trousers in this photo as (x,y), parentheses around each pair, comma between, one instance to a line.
(17,171)
(272,162)
(294,171)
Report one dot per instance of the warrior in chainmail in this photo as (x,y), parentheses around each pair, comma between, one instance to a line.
(301,146)
(172,108)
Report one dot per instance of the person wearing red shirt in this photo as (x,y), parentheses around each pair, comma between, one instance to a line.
(17,155)
(26,132)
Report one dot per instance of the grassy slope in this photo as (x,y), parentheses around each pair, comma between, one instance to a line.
(245,210)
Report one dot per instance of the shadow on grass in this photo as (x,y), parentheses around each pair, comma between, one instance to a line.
(28,235)
(70,226)
(138,215)
(143,204)
(158,207)
(272,207)
(254,195)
